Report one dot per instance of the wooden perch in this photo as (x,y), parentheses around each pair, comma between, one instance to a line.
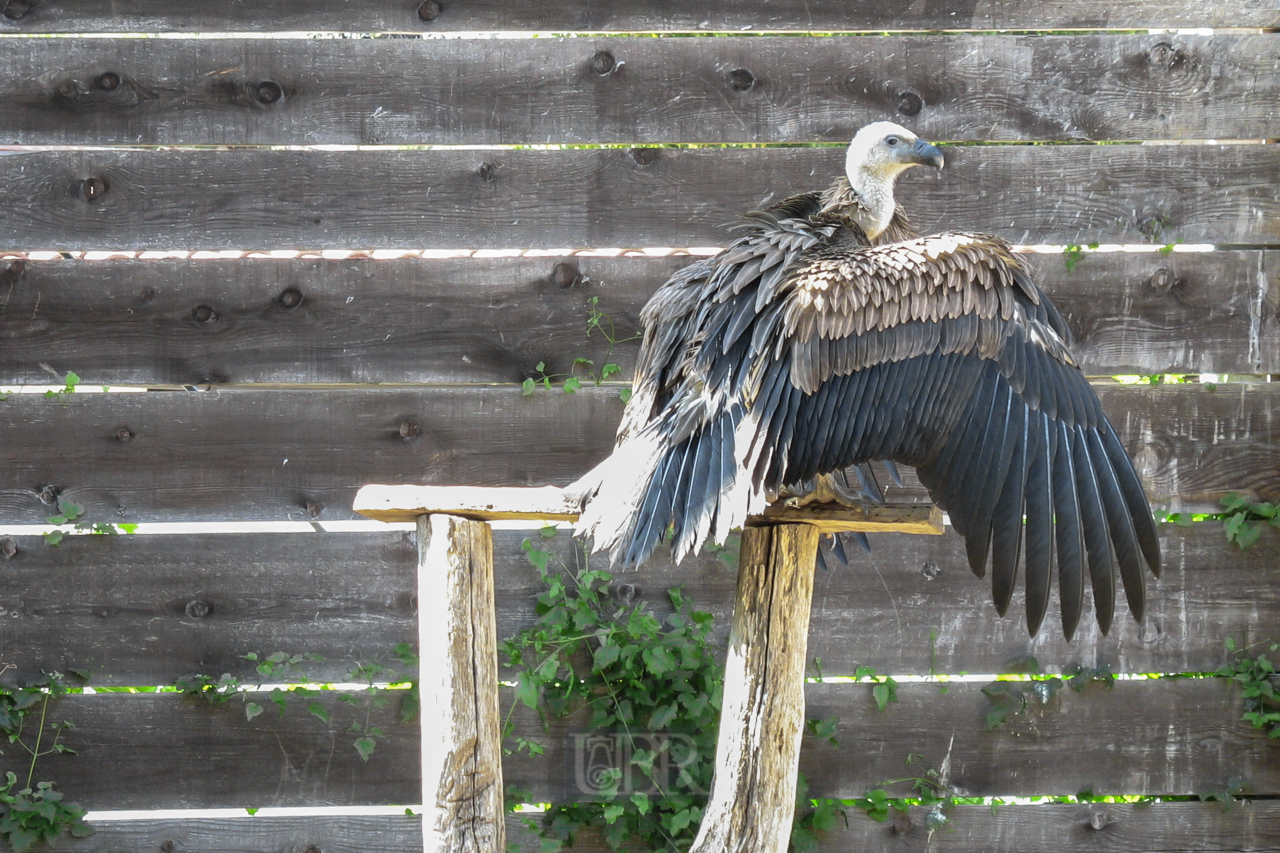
(406,503)
(762,718)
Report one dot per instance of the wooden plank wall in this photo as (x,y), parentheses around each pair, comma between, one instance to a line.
(333,260)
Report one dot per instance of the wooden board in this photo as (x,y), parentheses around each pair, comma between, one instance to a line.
(169,751)
(512,91)
(328,833)
(78,16)
(1162,737)
(150,609)
(1251,826)
(302,454)
(912,607)
(908,608)
(450,199)
(1170,736)
(124,322)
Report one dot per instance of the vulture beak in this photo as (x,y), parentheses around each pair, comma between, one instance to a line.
(924,154)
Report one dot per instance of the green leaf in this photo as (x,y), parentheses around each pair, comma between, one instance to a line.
(318,711)
(365,746)
(526,387)
(613,811)
(572,384)
(251,710)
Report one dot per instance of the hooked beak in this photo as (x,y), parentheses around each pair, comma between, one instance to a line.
(924,154)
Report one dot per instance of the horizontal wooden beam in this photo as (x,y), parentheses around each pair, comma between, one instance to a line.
(490,320)
(406,503)
(136,618)
(517,199)
(302,454)
(625,16)
(975,87)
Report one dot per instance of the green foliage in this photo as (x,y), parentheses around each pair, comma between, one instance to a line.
(931,790)
(883,688)
(1073,254)
(813,817)
(69,383)
(68,512)
(1256,677)
(1243,519)
(283,668)
(34,814)
(1011,697)
(634,675)
(585,368)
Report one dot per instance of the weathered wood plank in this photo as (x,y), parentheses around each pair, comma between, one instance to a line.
(912,607)
(771,89)
(126,322)
(302,454)
(332,834)
(450,199)
(1169,736)
(1157,737)
(164,751)
(1248,826)
(909,607)
(79,16)
(150,609)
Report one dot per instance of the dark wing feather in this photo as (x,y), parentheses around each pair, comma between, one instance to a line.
(969,377)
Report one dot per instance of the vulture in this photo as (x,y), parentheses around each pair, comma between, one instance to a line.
(830,334)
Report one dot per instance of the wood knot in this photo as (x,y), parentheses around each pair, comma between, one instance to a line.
(488,171)
(644,156)
(1163,281)
(1099,816)
(108,82)
(603,63)
(902,823)
(204,314)
(16,268)
(313,849)
(167,847)
(198,609)
(147,294)
(314,508)
(409,430)
(930,570)
(429,10)
(49,495)
(124,435)
(290,297)
(93,188)
(1165,55)
(565,275)
(909,103)
(740,80)
(8,548)
(268,92)
(16,10)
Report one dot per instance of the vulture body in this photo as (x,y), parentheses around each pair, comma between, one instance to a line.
(830,334)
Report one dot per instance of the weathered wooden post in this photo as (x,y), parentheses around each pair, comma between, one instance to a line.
(762,717)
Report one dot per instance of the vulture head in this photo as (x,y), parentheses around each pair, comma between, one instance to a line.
(878,154)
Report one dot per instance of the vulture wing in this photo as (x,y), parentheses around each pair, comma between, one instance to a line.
(942,353)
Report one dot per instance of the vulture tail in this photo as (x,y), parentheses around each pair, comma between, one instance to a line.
(648,487)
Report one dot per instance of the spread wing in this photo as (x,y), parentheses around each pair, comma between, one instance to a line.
(942,353)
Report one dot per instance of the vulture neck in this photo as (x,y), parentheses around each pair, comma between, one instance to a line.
(870,204)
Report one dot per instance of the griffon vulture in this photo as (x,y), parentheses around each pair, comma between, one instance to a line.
(830,334)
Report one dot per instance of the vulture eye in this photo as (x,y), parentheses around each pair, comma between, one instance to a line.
(891,140)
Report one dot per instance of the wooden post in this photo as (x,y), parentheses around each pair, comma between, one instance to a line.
(753,792)
(762,717)
(458,678)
